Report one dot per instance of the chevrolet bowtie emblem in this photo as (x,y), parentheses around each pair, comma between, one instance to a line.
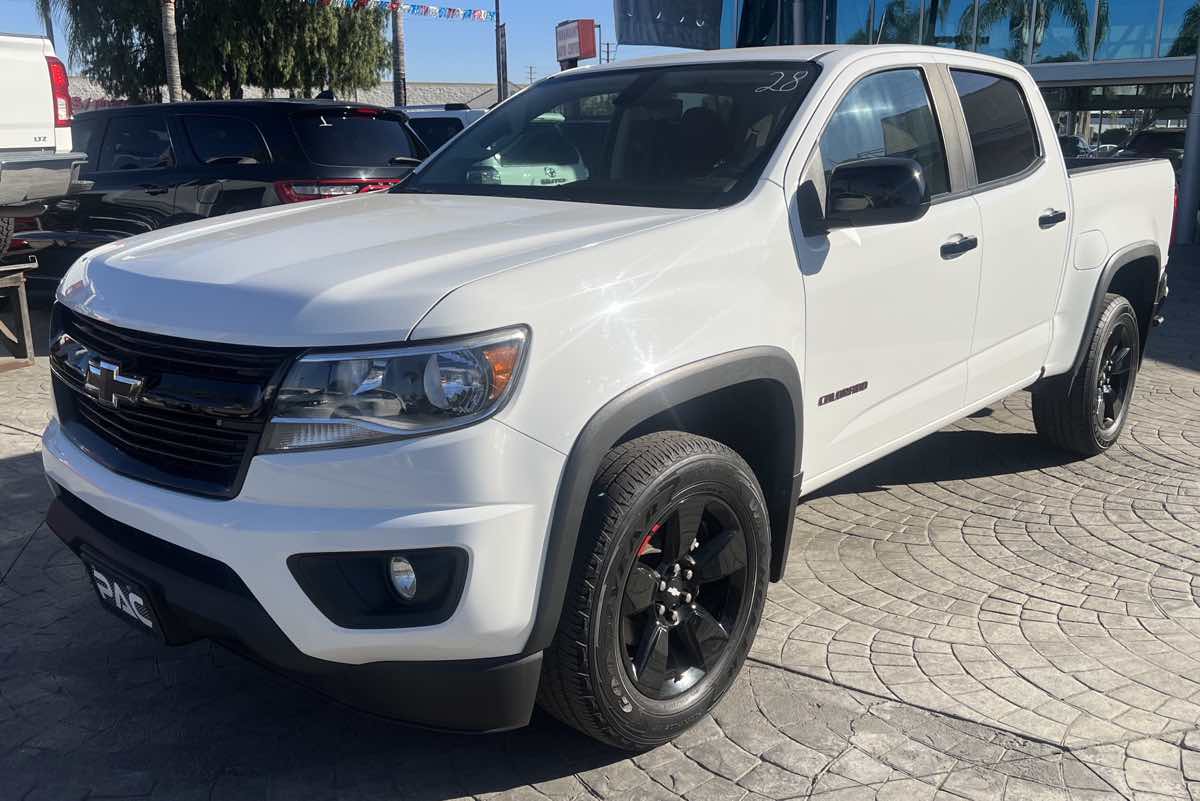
(107,385)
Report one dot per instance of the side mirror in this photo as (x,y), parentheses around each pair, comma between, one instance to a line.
(880,191)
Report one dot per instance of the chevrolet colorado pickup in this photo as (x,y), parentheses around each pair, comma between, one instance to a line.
(468,445)
(36,162)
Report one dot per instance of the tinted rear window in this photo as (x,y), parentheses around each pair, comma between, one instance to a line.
(436,131)
(1156,143)
(350,138)
(998,119)
(225,140)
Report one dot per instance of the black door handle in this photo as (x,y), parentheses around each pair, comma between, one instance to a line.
(958,246)
(152,189)
(1052,218)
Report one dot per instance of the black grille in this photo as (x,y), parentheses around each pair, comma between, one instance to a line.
(201,411)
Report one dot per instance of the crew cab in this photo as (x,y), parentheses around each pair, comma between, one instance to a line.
(36,160)
(455,448)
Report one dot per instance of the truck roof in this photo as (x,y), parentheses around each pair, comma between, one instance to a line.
(829,55)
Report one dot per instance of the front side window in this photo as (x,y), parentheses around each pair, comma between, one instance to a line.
(85,138)
(1003,138)
(136,142)
(887,114)
(225,140)
(687,136)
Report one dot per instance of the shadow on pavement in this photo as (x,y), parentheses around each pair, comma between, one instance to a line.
(952,455)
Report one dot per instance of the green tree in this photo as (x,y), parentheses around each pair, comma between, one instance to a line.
(227,45)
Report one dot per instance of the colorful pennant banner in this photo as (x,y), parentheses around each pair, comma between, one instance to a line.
(415,9)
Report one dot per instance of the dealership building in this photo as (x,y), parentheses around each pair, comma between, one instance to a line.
(1106,66)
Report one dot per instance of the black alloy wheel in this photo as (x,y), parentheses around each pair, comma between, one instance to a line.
(1113,380)
(683,595)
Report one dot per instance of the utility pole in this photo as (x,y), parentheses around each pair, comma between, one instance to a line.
(399,79)
(501,59)
(530,70)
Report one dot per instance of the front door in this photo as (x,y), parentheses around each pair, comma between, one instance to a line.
(888,314)
(133,186)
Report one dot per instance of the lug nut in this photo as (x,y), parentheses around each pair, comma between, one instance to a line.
(662,610)
(673,617)
(675,569)
(687,597)
(687,575)
(695,545)
(662,585)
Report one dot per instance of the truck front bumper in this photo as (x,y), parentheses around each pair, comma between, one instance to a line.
(219,569)
(36,176)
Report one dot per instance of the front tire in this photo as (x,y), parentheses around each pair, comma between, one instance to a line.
(666,593)
(1088,415)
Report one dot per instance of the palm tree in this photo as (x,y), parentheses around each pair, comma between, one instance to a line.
(1185,42)
(1021,25)
(45,10)
(171,51)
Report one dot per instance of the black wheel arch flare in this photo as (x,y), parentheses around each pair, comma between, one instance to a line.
(672,400)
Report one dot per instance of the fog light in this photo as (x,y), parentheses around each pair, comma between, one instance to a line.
(404,578)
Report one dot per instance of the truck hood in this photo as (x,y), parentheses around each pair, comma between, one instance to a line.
(356,271)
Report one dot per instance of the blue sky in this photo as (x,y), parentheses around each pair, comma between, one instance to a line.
(449,50)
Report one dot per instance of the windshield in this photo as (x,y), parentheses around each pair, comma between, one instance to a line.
(694,136)
(1156,143)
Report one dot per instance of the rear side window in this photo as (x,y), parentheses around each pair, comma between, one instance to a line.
(225,140)
(436,131)
(1156,143)
(137,142)
(887,114)
(1002,134)
(354,138)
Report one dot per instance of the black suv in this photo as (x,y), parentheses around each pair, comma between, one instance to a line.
(158,165)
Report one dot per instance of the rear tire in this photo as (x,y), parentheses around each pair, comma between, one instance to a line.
(655,628)
(1087,416)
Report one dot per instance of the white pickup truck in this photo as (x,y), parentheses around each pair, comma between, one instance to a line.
(451,449)
(36,162)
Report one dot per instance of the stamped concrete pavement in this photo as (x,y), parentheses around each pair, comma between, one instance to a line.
(975,617)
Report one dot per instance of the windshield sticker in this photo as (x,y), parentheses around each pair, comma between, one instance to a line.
(783,83)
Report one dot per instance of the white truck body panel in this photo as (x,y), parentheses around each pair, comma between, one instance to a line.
(613,296)
(28,119)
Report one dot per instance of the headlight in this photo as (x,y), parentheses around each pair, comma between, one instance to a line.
(335,399)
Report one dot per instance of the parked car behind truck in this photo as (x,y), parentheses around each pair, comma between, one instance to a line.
(151,167)
(37,162)
(459,446)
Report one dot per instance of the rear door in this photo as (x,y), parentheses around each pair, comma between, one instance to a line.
(888,313)
(224,167)
(133,184)
(1024,200)
(27,121)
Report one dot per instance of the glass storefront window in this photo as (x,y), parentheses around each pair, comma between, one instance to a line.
(1063,29)
(951,23)
(849,22)
(1004,28)
(1181,24)
(898,21)
(1125,29)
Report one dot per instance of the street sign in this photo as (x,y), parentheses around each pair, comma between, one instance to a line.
(575,39)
